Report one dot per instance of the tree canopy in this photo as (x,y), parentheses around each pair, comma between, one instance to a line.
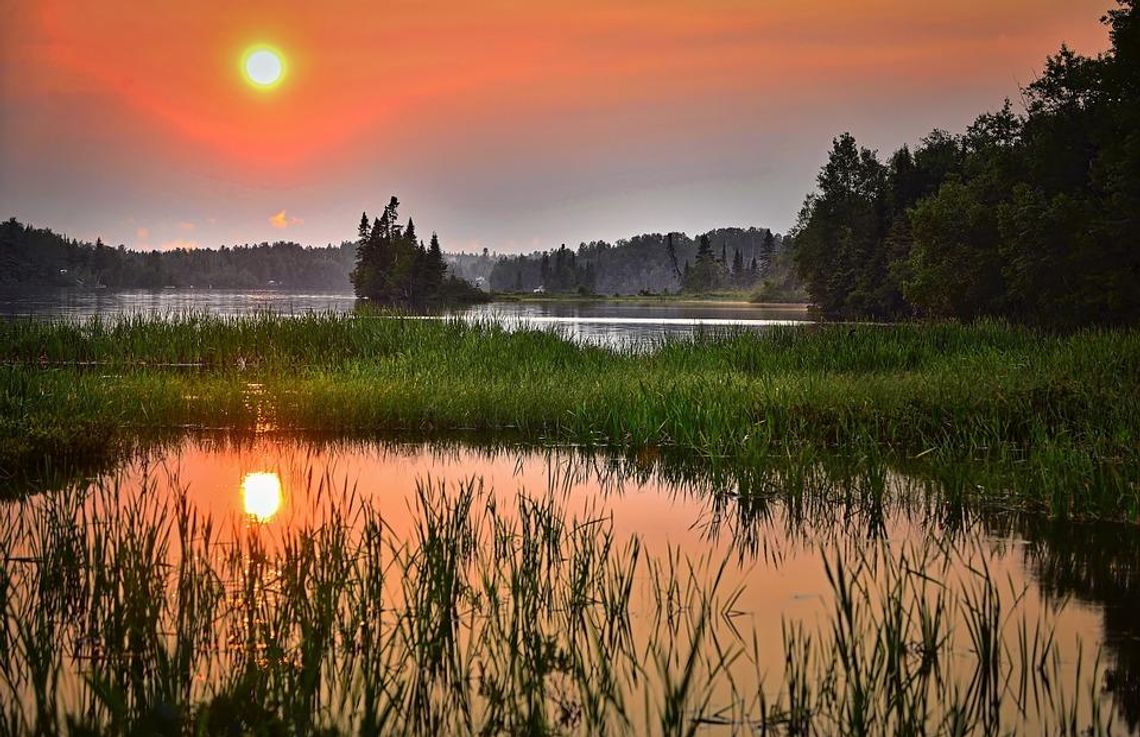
(1030,216)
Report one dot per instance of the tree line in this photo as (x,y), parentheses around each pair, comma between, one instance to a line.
(393,266)
(1030,216)
(39,257)
(719,260)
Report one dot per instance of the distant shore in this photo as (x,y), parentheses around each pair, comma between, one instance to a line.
(725,298)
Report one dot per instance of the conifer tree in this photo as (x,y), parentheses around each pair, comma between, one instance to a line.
(768,249)
(436,265)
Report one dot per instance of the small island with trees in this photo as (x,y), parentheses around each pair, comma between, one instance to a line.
(394,268)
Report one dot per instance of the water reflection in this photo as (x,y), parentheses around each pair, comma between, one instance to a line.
(614,324)
(261,495)
(1099,566)
(372,530)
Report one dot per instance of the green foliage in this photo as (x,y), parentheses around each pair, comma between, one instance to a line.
(954,266)
(1031,218)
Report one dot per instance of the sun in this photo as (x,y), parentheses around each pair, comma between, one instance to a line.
(263,66)
(261,495)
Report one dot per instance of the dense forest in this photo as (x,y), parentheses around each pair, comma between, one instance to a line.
(38,257)
(394,267)
(722,259)
(1030,216)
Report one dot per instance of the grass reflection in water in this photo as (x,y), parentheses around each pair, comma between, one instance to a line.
(129,609)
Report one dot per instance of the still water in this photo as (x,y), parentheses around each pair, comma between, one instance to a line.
(578,586)
(606,323)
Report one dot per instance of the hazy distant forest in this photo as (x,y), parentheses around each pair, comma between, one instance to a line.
(37,257)
(732,259)
(738,258)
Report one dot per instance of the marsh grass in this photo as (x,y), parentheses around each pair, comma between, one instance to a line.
(130,612)
(1050,420)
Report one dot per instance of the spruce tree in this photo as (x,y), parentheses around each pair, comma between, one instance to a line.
(768,249)
(437,267)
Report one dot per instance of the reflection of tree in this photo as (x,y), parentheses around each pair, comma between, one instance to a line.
(1100,564)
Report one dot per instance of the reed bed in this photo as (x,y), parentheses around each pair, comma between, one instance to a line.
(129,612)
(1052,419)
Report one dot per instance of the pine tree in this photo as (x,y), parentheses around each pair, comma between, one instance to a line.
(707,273)
(364,274)
(437,267)
(768,249)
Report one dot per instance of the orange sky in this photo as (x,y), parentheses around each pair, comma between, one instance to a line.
(512,125)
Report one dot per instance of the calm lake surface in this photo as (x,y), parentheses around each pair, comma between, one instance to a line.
(695,562)
(607,323)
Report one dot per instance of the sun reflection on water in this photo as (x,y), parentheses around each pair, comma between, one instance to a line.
(261,495)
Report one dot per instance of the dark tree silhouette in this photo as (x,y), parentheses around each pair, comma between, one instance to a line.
(393,267)
(1028,217)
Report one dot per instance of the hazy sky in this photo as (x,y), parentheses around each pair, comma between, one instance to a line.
(511,125)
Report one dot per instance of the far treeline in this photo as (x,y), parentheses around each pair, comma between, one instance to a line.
(1033,217)
(736,259)
(37,257)
(723,259)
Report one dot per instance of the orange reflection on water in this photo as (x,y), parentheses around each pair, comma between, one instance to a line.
(261,495)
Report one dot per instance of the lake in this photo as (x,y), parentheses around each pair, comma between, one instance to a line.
(442,587)
(617,323)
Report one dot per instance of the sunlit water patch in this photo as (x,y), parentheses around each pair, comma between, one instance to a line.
(427,589)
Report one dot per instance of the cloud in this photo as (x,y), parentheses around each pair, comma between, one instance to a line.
(186,226)
(142,233)
(284,220)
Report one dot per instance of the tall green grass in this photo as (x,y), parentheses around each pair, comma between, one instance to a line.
(1058,416)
